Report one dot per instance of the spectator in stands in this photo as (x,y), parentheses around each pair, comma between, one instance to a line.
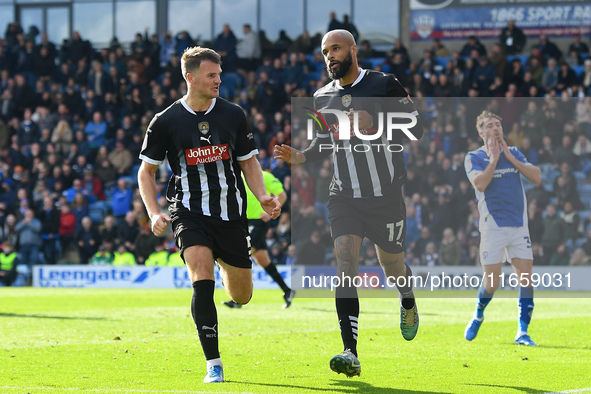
(450,251)
(123,257)
(79,208)
(563,154)
(548,48)
(419,247)
(312,250)
(399,48)
(573,59)
(587,245)
(248,51)
(583,115)
(88,240)
(302,44)
(498,58)
(225,45)
(565,187)
(578,46)
(513,40)
(566,77)
(534,213)
(473,44)
(102,257)
(532,122)
(582,150)
(28,131)
(573,223)
(585,77)
(29,238)
(350,27)
(122,198)
(128,231)
(109,231)
(579,258)
(145,244)
(8,263)
(121,159)
(159,257)
(334,23)
(183,41)
(550,76)
(484,76)
(49,218)
(438,49)
(62,137)
(554,234)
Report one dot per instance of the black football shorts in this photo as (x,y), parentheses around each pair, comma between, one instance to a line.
(382,220)
(228,240)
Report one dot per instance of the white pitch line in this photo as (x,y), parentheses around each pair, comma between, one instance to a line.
(587,390)
(122,390)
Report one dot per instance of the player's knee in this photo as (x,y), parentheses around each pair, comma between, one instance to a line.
(242,297)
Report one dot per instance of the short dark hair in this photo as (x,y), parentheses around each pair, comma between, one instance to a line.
(193,56)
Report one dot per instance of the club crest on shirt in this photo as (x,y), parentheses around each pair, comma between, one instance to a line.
(203,127)
(346,100)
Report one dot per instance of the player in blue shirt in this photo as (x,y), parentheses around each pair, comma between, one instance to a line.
(494,170)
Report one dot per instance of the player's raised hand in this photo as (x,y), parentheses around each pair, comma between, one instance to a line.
(271,205)
(159,223)
(288,154)
(494,150)
(505,148)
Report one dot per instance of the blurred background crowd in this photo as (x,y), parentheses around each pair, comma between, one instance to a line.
(73,117)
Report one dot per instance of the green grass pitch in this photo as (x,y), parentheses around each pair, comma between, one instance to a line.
(144,341)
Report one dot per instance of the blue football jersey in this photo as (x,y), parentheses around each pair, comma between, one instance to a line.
(503,203)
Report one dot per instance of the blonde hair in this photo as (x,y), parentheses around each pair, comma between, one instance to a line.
(484,116)
(193,56)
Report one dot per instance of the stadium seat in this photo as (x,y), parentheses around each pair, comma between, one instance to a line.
(580,175)
(96,211)
(376,61)
(586,200)
(313,75)
(584,214)
(442,61)
(578,70)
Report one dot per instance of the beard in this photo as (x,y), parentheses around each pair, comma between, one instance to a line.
(342,69)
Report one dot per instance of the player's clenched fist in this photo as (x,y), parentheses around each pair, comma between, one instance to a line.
(159,223)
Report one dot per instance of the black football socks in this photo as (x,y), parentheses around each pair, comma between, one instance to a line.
(272,271)
(205,317)
(347,303)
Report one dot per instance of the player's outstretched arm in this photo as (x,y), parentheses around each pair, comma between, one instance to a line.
(147,184)
(288,154)
(254,179)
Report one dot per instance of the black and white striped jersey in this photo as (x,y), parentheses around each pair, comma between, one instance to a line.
(370,168)
(203,150)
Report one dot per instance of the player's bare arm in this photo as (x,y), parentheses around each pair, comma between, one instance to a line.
(254,178)
(288,154)
(531,172)
(147,184)
(481,180)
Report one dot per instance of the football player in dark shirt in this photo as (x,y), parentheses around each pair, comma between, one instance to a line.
(365,194)
(208,145)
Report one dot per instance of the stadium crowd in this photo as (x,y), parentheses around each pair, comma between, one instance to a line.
(73,117)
